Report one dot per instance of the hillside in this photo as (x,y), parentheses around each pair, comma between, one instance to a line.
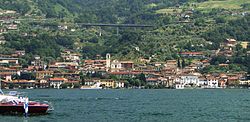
(182,24)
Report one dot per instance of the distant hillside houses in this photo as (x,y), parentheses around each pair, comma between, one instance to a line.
(192,54)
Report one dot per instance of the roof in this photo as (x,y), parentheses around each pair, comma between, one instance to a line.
(151,79)
(124,73)
(92,61)
(205,61)
(127,62)
(21,81)
(231,40)
(57,79)
(6,73)
(223,65)
(44,71)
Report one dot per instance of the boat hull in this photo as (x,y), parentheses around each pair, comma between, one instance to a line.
(19,109)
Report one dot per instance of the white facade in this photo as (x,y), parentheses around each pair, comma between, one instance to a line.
(179,86)
(187,80)
(116,65)
(8,60)
(212,83)
(56,84)
(202,83)
(119,84)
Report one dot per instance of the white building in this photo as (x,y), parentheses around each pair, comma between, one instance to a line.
(212,83)
(119,84)
(179,86)
(116,64)
(56,82)
(187,80)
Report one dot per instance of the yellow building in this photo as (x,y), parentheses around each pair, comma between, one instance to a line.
(244,44)
(109,83)
(42,74)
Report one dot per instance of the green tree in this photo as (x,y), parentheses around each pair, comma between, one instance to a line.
(183,63)
(179,63)
(142,78)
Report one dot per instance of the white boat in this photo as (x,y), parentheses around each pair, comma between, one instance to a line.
(12,103)
(95,86)
(16,103)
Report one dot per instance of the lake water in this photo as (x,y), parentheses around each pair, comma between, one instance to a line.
(133,105)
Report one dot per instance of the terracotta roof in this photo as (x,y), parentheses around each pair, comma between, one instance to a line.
(151,79)
(21,81)
(223,65)
(124,73)
(6,73)
(233,78)
(57,79)
(124,62)
(205,61)
(92,61)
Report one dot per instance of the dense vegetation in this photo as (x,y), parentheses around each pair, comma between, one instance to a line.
(180,25)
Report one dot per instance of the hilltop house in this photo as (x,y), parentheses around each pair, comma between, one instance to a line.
(226,48)
(121,65)
(192,54)
(69,56)
(244,44)
(2,39)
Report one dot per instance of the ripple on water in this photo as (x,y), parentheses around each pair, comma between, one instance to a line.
(149,105)
(157,114)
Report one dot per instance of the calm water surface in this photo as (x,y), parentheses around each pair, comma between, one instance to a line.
(74,105)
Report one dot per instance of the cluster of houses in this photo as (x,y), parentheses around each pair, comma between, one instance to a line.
(8,21)
(114,73)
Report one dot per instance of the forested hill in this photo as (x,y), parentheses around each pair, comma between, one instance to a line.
(179,25)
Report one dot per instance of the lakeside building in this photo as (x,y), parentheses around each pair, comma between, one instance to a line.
(106,83)
(212,82)
(42,84)
(19,83)
(187,80)
(56,82)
